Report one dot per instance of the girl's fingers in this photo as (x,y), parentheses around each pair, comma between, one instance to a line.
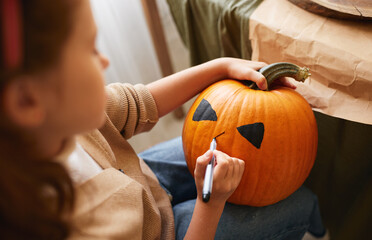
(257,65)
(287,82)
(258,78)
(240,166)
(222,165)
(201,164)
(284,81)
(227,168)
(247,70)
(236,170)
(230,172)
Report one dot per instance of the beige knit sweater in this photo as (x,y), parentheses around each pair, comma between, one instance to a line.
(116,205)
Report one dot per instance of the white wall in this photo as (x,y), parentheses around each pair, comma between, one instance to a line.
(124,38)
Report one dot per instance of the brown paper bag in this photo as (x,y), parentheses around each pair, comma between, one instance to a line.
(338,53)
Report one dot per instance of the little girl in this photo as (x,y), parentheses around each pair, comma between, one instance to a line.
(67,170)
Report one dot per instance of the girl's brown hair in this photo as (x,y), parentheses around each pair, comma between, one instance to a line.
(36,195)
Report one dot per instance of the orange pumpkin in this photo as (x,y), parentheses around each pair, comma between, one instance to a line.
(274,132)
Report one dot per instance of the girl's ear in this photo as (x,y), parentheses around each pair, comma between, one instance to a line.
(23,102)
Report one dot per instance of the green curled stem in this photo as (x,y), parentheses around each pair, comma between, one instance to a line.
(282,69)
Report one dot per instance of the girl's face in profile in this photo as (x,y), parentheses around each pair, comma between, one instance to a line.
(77,99)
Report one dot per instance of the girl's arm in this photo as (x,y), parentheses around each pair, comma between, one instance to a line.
(174,90)
(226,178)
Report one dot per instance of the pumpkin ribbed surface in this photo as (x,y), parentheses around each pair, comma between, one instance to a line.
(274,132)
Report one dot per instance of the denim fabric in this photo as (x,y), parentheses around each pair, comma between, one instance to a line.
(287,219)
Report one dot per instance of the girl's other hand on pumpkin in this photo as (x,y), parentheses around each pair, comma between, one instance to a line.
(227,174)
(242,69)
(284,81)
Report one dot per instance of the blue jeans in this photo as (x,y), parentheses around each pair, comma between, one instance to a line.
(287,219)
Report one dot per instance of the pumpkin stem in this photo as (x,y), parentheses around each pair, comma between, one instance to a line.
(282,69)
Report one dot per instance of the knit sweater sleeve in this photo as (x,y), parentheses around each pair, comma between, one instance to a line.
(131,109)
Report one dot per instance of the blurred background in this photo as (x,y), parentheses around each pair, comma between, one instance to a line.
(125,38)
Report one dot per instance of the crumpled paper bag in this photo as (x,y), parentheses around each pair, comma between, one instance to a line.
(338,53)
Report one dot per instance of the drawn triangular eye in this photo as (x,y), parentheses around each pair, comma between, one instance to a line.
(253,133)
(204,112)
